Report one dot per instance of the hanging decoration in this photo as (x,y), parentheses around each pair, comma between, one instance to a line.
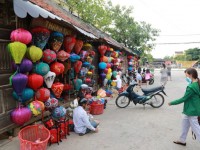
(56,40)
(27,95)
(74,57)
(51,103)
(62,55)
(49,56)
(34,53)
(57,68)
(17,51)
(49,78)
(43,94)
(36,107)
(77,66)
(77,84)
(40,36)
(102,49)
(78,45)
(21,35)
(35,81)
(69,43)
(102,65)
(57,89)
(41,68)
(59,112)
(25,66)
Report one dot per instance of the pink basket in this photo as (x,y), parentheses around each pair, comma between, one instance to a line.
(34,137)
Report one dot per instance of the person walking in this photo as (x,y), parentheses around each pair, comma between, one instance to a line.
(169,68)
(191,109)
(163,72)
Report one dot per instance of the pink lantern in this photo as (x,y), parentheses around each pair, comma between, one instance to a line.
(21,35)
(69,43)
(49,56)
(62,55)
(57,89)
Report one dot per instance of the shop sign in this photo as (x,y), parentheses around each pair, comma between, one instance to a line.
(50,25)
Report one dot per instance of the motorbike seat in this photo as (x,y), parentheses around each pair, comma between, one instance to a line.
(151,90)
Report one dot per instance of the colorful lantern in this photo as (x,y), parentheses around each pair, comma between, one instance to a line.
(102,49)
(19,82)
(74,57)
(103,76)
(49,78)
(62,55)
(41,68)
(51,103)
(57,67)
(59,112)
(77,84)
(78,45)
(88,80)
(91,54)
(67,87)
(102,65)
(56,40)
(105,71)
(17,51)
(87,46)
(104,59)
(69,43)
(27,94)
(42,94)
(25,66)
(40,36)
(109,70)
(34,53)
(20,116)
(35,81)
(86,64)
(36,107)
(83,55)
(114,74)
(57,89)
(101,93)
(21,35)
(105,81)
(77,66)
(108,65)
(49,56)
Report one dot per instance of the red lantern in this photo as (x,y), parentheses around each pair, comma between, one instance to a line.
(78,66)
(67,87)
(57,68)
(106,70)
(88,80)
(108,65)
(62,55)
(114,54)
(42,94)
(21,35)
(48,56)
(57,89)
(92,53)
(102,49)
(130,57)
(78,45)
(69,43)
(35,81)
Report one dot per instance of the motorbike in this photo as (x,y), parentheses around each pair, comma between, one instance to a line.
(152,96)
(151,80)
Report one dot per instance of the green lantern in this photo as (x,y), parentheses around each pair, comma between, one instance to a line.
(114,74)
(17,51)
(34,53)
(41,68)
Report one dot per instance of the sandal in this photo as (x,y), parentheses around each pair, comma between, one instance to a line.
(180,143)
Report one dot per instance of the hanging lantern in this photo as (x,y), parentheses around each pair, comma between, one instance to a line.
(49,56)
(77,66)
(40,36)
(78,45)
(69,43)
(35,81)
(27,94)
(102,49)
(83,71)
(21,35)
(36,107)
(104,59)
(57,89)
(25,66)
(19,82)
(20,116)
(67,66)
(91,54)
(17,51)
(62,55)
(51,103)
(59,112)
(73,57)
(67,87)
(49,78)
(57,67)
(41,68)
(77,84)
(87,46)
(86,64)
(42,94)
(103,76)
(88,80)
(34,53)
(83,55)
(102,65)
(56,40)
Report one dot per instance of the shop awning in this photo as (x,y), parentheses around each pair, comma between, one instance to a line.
(85,33)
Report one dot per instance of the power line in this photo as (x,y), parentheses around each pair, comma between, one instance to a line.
(177,43)
(182,35)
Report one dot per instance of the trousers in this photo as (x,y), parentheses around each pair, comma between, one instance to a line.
(187,122)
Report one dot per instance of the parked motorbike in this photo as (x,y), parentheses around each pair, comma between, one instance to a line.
(152,97)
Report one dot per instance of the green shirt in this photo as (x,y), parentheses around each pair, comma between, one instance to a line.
(191,100)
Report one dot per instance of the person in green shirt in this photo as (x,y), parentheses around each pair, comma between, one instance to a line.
(191,108)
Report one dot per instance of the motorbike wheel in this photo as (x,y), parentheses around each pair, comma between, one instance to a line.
(122,101)
(157,101)
(151,81)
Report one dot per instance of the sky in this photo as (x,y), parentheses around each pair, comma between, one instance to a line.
(178,20)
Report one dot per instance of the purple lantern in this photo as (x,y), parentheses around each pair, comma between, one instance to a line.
(20,116)
(103,76)
(25,66)
(19,82)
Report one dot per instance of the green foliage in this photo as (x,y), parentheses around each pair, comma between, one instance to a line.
(117,22)
(189,55)
(180,57)
(168,58)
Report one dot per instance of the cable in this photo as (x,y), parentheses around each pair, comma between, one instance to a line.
(177,43)
(182,35)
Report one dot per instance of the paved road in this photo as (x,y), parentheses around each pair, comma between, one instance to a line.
(134,128)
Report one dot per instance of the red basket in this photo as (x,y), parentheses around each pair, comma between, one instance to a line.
(34,137)
(96,109)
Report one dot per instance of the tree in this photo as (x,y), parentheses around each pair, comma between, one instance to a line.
(193,54)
